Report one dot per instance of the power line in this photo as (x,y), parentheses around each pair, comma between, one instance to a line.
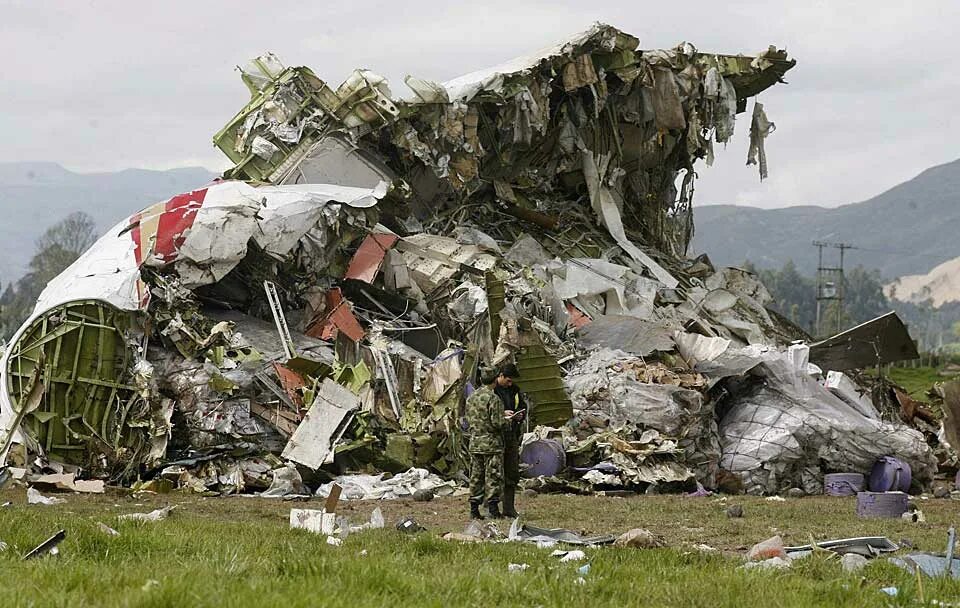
(830,290)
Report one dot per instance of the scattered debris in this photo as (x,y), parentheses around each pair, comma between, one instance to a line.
(517,567)
(107,529)
(155,515)
(381,487)
(425,495)
(867,546)
(318,521)
(933,565)
(36,498)
(853,562)
(327,304)
(68,482)
(770,548)
(639,538)
(735,511)
(47,547)
(569,556)
(461,537)
(546,537)
(409,525)
(773,563)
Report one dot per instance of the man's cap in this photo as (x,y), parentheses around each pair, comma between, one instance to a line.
(488,375)
(510,370)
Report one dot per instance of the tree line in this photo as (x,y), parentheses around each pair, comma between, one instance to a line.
(58,247)
(795,297)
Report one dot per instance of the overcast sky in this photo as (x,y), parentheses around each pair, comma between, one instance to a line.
(100,86)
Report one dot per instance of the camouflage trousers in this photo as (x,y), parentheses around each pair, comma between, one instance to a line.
(486,476)
(511,459)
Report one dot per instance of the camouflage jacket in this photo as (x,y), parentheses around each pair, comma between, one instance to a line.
(485,421)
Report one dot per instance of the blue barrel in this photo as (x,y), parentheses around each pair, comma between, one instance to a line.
(890,474)
(842,484)
(881,504)
(543,457)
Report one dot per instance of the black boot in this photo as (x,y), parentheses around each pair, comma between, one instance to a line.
(493,509)
(475,510)
(509,496)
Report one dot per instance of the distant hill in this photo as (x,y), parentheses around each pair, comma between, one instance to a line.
(36,195)
(906,230)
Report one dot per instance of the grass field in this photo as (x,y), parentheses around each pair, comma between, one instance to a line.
(240,552)
(916,380)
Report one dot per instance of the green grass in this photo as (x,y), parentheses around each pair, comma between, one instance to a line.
(916,381)
(241,552)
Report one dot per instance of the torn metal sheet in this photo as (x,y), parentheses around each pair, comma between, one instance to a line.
(629,334)
(369,258)
(292,383)
(868,546)
(335,160)
(313,441)
(878,341)
(532,534)
(47,547)
(339,317)
(609,213)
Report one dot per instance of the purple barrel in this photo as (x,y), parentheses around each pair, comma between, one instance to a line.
(842,484)
(890,474)
(543,457)
(881,504)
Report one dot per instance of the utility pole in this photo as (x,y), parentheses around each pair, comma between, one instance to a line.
(830,284)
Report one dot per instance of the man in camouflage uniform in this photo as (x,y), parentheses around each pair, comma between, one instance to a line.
(486,421)
(515,407)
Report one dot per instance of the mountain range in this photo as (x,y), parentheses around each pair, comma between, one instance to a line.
(36,195)
(906,230)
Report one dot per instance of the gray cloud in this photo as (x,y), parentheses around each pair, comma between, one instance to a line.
(109,85)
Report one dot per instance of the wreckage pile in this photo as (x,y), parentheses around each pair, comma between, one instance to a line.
(324,309)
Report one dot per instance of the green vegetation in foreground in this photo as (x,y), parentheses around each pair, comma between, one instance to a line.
(240,552)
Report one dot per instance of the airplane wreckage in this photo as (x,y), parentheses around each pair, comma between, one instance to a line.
(324,307)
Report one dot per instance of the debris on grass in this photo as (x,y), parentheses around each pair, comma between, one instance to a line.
(770,548)
(34,497)
(569,556)
(773,563)
(47,547)
(155,515)
(640,538)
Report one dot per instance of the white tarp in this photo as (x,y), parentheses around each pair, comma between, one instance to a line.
(782,430)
